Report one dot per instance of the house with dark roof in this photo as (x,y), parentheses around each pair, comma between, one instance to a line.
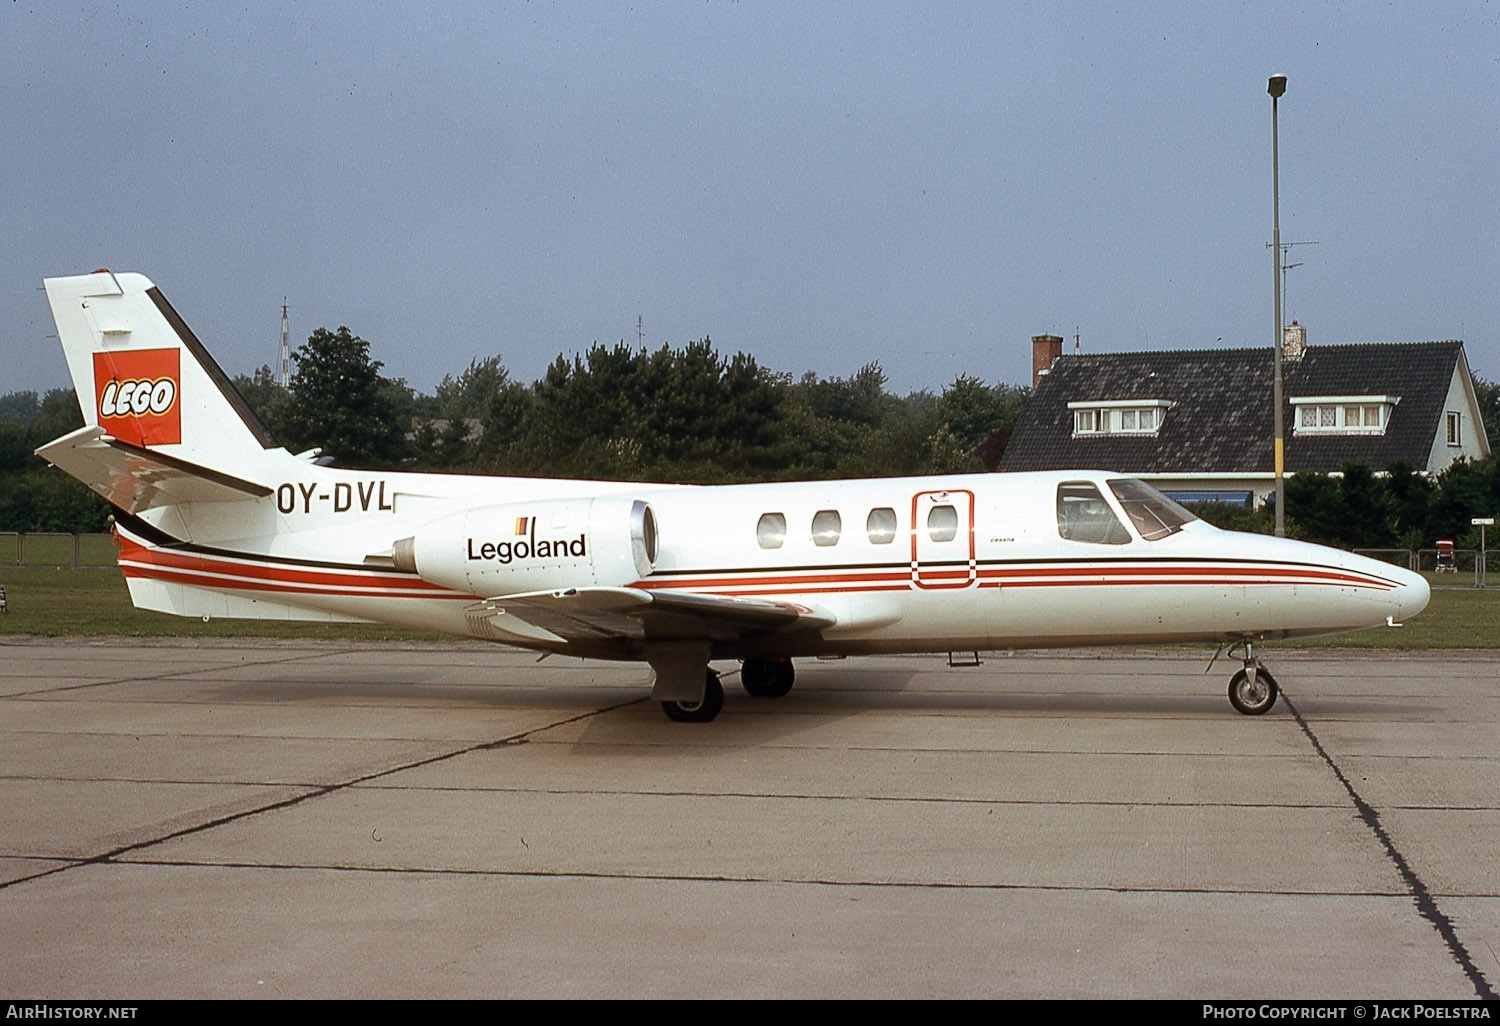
(1198,424)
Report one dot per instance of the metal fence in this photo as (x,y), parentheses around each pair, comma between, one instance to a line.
(32,548)
(1465,561)
(1400,557)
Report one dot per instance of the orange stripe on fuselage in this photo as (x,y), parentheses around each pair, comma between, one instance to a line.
(143,561)
(263,573)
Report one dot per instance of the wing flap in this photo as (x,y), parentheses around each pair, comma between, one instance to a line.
(633,614)
(135,478)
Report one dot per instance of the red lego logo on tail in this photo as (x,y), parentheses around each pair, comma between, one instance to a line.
(137,395)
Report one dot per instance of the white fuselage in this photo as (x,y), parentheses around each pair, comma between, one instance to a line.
(995,572)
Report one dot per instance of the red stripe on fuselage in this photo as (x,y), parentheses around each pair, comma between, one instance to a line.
(148,562)
(265,573)
(773,582)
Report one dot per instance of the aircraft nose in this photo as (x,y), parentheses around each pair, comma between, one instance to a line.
(1411,595)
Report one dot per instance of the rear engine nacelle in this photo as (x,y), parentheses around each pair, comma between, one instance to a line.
(534,546)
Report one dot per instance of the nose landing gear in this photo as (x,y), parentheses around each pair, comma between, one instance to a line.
(1252,689)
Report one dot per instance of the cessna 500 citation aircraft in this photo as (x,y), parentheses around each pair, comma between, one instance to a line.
(214,519)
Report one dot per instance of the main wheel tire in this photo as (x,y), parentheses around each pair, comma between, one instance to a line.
(767,678)
(1253,700)
(701,711)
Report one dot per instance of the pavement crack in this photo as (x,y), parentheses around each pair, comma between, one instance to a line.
(118,854)
(1422,898)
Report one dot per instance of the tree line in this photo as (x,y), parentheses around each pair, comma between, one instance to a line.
(687,414)
(1360,509)
(693,415)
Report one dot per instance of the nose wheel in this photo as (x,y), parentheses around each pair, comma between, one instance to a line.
(1252,689)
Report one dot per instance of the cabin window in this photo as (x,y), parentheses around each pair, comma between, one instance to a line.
(826,526)
(1153,514)
(880,525)
(1084,516)
(942,523)
(771,531)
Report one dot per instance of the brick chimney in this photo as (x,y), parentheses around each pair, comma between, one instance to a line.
(1044,350)
(1293,341)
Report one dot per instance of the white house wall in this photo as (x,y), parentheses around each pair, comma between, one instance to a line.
(1461,399)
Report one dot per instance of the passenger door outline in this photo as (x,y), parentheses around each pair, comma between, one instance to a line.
(943,565)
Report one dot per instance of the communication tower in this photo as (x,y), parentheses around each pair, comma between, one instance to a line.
(285,376)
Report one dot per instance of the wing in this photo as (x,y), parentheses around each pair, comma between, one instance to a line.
(632,614)
(135,478)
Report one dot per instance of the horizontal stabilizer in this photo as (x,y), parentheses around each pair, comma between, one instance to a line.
(592,614)
(134,478)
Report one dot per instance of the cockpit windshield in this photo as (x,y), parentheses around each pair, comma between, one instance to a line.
(1153,514)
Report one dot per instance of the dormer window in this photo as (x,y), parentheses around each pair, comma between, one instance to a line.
(1118,417)
(1342,414)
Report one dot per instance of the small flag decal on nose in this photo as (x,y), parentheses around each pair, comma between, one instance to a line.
(521,525)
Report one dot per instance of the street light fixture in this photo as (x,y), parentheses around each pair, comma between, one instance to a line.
(1276,87)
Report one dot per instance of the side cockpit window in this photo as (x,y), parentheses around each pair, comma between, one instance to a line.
(1084,516)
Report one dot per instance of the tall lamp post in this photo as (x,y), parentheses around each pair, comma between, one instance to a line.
(1276,87)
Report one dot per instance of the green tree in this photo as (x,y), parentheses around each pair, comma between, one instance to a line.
(470,394)
(1411,497)
(266,397)
(339,402)
(1465,491)
(1236,518)
(970,409)
(19,407)
(33,495)
(1312,501)
(1489,408)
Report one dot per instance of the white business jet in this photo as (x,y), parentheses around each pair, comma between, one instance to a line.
(214,519)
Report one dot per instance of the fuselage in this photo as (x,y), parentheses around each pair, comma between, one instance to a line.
(947,563)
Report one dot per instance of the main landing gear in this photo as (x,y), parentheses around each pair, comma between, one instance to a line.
(704,709)
(1252,689)
(763,678)
(767,678)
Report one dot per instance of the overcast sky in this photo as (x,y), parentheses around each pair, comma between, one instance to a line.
(820,185)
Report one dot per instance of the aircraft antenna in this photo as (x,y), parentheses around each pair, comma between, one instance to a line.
(285,376)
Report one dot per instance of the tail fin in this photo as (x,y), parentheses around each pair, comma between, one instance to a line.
(143,377)
(162,423)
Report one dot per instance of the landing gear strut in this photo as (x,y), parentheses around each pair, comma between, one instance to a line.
(703,710)
(1252,690)
(767,678)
